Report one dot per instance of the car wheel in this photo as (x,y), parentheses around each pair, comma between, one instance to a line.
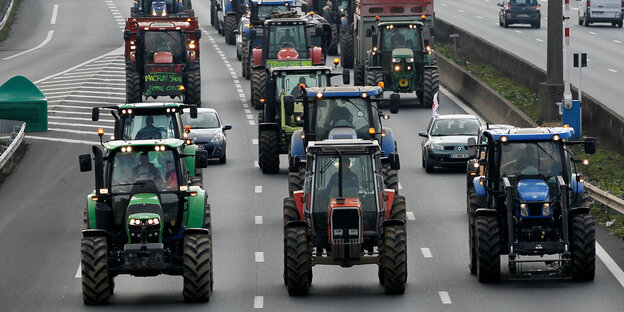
(223,159)
(505,23)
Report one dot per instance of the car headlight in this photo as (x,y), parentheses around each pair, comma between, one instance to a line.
(435,146)
(217,138)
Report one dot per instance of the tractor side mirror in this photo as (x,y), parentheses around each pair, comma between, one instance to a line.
(227,127)
(193,111)
(472,149)
(394,103)
(590,145)
(346,77)
(126,35)
(85,162)
(95,114)
(423,134)
(253,34)
(197,33)
(395,163)
(201,159)
(289,104)
(304,8)
(369,32)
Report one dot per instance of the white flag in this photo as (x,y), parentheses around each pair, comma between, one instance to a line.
(435,106)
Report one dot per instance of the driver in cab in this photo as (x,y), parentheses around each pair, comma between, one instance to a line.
(149,131)
(146,170)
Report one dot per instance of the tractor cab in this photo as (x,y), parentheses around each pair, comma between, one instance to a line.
(161,8)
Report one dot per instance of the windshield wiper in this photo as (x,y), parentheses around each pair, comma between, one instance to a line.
(331,161)
(349,101)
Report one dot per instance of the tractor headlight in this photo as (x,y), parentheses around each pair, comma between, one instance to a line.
(410,60)
(217,138)
(523,210)
(353,232)
(435,146)
(395,60)
(397,67)
(135,222)
(338,232)
(546,209)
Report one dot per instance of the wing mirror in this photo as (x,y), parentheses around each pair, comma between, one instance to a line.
(394,103)
(193,111)
(423,134)
(346,77)
(289,104)
(590,145)
(85,162)
(472,149)
(95,114)
(201,159)
(227,127)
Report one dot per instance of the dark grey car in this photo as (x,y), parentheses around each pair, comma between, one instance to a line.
(520,12)
(208,132)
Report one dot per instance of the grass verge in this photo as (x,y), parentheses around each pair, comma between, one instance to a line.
(4,32)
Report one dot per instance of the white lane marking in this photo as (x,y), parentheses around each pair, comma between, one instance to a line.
(259,256)
(410,216)
(78,125)
(612,70)
(256,165)
(258,302)
(247,111)
(592,33)
(540,40)
(254,141)
(47,39)
(258,219)
(79,272)
(54,14)
(236,81)
(400,186)
(610,264)
(250,116)
(62,140)
(443,4)
(72,131)
(444,296)
(479,17)
(70,106)
(258,189)
(72,101)
(68,112)
(462,11)
(617,41)
(69,92)
(426,252)
(518,31)
(87,96)
(115,52)
(76,118)
(252,122)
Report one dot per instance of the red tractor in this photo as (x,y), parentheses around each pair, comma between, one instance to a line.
(344,216)
(162,58)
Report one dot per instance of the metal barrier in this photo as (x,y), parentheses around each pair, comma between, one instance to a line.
(7,13)
(11,136)
(605,198)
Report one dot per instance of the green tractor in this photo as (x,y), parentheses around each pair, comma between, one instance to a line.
(399,60)
(145,219)
(283,109)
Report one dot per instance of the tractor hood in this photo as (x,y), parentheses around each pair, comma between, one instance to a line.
(203,135)
(532,190)
(402,53)
(144,199)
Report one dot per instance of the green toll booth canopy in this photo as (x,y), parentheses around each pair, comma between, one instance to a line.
(20,99)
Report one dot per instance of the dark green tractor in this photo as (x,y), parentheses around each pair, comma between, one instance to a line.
(145,219)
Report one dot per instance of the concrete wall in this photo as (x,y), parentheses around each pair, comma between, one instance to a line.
(598,120)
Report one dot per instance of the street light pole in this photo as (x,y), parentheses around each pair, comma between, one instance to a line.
(551,91)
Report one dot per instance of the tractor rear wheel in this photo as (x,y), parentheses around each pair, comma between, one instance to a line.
(258,87)
(346,49)
(133,85)
(193,86)
(431,85)
(488,249)
(269,151)
(290,210)
(373,77)
(208,226)
(391,178)
(230,27)
(298,260)
(358,76)
(197,271)
(295,180)
(333,44)
(245,60)
(583,247)
(96,281)
(399,209)
(213,13)
(394,259)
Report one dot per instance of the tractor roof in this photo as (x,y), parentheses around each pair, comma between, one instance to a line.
(275,2)
(170,143)
(150,105)
(348,146)
(532,134)
(302,69)
(285,21)
(345,91)
(161,23)
(401,23)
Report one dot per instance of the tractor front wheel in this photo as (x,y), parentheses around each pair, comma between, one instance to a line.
(298,260)
(472,263)
(391,178)
(373,77)
(346,49)
(258,87)
(197,271)
(295,180)
(333,44)
(269,151)
(399,209)
(358,76)
(583,247)
(230,27)
(431,85)
(488,249)
(394,259)
(133,85)
(97,283)
(193,86)
(245,60)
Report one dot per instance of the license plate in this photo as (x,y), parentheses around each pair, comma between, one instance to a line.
(459,155)
(201,147)
(523,15)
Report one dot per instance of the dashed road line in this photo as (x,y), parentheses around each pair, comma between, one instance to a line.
(78,272)
(259,256)
(254,141)
(258,302)
(592,33)
(258,189)
(444,296)
(258,219)
(617,41)
(426,252)
(540,40)
(54,14)
(400,186)
(33,137)
(612,70)
(410,216)
(518,31)
(256,165)
(252,122)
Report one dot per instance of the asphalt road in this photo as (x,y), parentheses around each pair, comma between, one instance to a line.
(603,44)
(42,201)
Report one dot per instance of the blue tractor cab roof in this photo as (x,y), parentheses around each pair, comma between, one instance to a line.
(532,134)
(274,2)
(346,91)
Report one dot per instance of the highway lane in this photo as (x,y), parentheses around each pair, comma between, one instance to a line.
(42,228)
(604,44)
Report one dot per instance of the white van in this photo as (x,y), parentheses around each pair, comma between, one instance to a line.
(601,11)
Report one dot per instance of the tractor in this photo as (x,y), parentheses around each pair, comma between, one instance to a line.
(344,216)
(228,15)
(162,8)
(285,42)
(283,109)
(530,203)
(331,112)
(162,59)
(340,16)
(144,219)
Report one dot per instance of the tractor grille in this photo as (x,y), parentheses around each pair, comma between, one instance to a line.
(535,209)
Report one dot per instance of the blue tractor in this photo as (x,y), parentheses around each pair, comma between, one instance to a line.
(333,113)
(529,202)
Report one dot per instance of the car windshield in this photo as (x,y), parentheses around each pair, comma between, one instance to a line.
(395,36)
(204,120)
(523,2)
(344,112)
(289,83)
(146,127)
(531,158)
(287,37)
(445,127)
(160,44)
(266,11)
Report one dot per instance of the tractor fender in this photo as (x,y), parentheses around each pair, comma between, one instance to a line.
(95,233)
(189,231)
(227,10)
(479,189)
(91,210)
(196,205)
(290,224)
(393,222)
(486,212)
(577,187)
(578,210)
(268,126)
(299,201)
(317,55)
(257,57)
(389,199)
(387,142)
(296,145)
(430,67)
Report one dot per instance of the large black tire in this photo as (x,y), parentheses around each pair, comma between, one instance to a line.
(391,178)
(213,13)
(230,27)
(332,49)
(472,251)
(208,226)
(133,85)
(296,180)
(298,260)
(193,86)
(585,21)
(197,271)
(85,219)
(346,49)
(583,247)
(537,24)
(358,75)
(290,210)
(245,60)
(96,281)
(427,165)
(373,77)
(258,87)
(488,249)
(268,146)
(431,85)
(399,209)
(394,259)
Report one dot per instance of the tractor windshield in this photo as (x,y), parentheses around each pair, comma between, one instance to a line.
(267,11)
(289,83)
(400,36)
(163,47)
(288,42)
(531,158)
(357,181)
(147,127)
(344,112)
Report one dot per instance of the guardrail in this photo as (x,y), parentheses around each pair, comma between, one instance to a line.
(5,18)
(13,132)
(605,198)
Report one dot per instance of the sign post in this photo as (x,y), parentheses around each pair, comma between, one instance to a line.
(454,36)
